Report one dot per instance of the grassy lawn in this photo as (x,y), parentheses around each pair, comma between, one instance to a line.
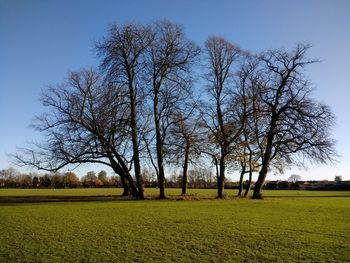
(282,228)
(152,192)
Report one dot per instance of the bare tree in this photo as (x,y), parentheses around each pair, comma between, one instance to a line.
(169,61)
(85,123)
(246,150)
(122,55)
(182,144)
(293,126)
(221,115)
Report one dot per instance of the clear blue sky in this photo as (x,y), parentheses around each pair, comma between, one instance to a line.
(41,40)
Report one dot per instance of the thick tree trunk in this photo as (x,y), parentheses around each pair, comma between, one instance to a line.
(161,179)
(126,190)
(263,172)
(128,177)
(259,183)
(221,178)
(119,171)
(184,173)
(139,180)
(265,160)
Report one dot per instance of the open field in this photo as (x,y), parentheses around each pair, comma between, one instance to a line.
(112,194)
(153,192)
(283,228)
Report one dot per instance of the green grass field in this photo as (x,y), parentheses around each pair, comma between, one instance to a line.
(152,192)
(288,226)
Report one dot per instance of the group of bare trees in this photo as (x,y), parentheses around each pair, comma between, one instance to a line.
(160,99)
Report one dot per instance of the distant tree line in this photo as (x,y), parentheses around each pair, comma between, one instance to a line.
(159,99)
(11,178)
(199,178)
(308,185)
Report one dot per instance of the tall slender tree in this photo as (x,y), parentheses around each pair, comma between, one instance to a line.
(122,54)
(220,115)
(182,144)
(169,73)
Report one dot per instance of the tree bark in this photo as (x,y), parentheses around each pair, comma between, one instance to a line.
(128,177)
(240,187)
(221,178)
(126,190)
(250,172)
(119,171)
(159,146)
(249,183)
(135,142)
(259,183)
(185,168)
(161,178)
(265,161)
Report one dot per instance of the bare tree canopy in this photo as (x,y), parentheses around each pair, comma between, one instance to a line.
(85,123)
(256,113)
(223,115)
(123,56)
(294,126)
(169,69)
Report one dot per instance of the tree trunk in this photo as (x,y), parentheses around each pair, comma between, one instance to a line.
(126,190)
(135,142)
(132,185)
(184,174)
(159,145)
(240,187)
(250,173)
(119,171)
(128,177)
(249,183)
(161,179)
(223,146)
(263,172)
(259,183)
(265,160)
(221,178)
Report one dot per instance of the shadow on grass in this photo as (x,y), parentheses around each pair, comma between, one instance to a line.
(47,199)
(189,197)
(306,196)
(42,199)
